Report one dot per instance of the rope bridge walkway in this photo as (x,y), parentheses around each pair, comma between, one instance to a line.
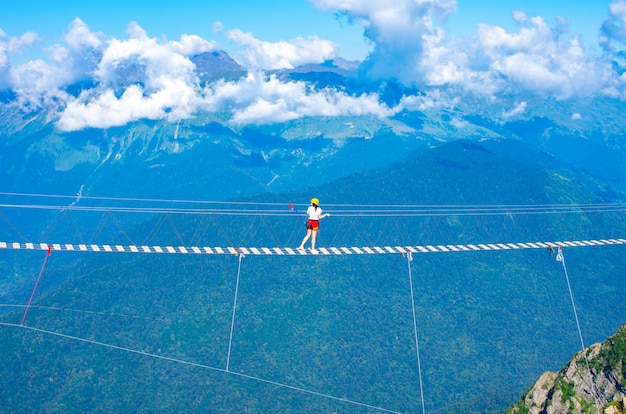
(328,251)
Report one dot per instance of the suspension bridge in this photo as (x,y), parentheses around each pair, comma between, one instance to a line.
(110,207)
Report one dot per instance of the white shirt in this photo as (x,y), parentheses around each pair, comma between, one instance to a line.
(314,214)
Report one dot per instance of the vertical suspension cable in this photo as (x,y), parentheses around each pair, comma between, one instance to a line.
(32,295)
(409,257)
(560,258)
(232,323)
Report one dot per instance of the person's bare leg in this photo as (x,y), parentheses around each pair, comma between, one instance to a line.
(308,234)
(313,237)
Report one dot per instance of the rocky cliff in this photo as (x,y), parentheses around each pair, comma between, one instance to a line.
(593,381)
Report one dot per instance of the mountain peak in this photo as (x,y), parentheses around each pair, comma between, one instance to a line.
(594,377)
(217,64)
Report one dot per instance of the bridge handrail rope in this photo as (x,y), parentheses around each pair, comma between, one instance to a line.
(77,198)
(237,208)
(426,211)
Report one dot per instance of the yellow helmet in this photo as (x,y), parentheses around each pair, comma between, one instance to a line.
(315,201)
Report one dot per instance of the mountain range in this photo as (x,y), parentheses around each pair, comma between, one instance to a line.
(489,323)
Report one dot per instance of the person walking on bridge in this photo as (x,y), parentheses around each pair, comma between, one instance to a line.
(314,215)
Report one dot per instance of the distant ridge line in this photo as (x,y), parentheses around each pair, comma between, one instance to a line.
(288,251)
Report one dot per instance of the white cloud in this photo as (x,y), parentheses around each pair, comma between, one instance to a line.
(8,46)
(190,45)
(256,99)
(409,46)
(396,29)
(166,86)
(173,102)
(39,83)
(157,81)
(540,60)
(146,77)
(433,100)
(17,44)
(519,109)
(259,99)
(218,27)
(459,123)
(79,37)
(284,54)
(613,33)
(162,67)
(81,53)
(159,61)
(535,59)
(614,28)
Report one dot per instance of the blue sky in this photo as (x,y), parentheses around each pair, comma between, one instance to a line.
(272,20)
(548,49)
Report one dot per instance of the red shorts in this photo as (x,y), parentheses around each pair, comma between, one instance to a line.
(313,225)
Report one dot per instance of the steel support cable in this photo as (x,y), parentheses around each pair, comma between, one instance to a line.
(401,228)
(295,235)
(359,232)
(194,237)
(173,226)
(383,230)
(135,199)
(351,212)
(155,229)
(12,226)
(250,231)
(346,229)
(72,224)
(271,232)
(51,226)
(198,365)
(561,258)
(407,210)
(428,228)
(86,312)
(502,228)
(221,230)
(438,227)
(32,295)
(232,323)
(489,230)
(338,230)
(281,213)
(120,227)
(99,227)
(200,231)
(219,202)
(409,258)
